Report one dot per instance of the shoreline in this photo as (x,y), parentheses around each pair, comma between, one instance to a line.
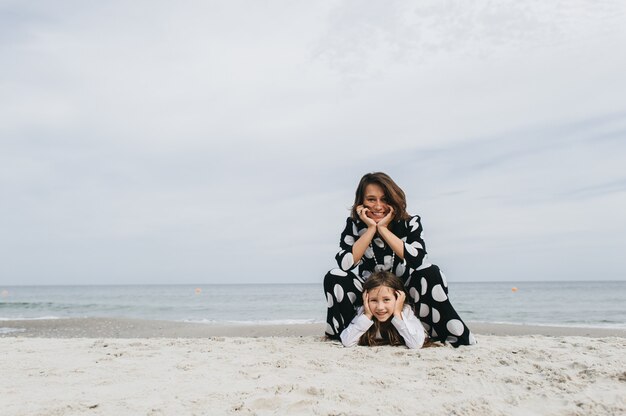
(145,328)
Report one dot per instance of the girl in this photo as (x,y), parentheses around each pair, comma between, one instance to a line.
(380,235)
(384,318)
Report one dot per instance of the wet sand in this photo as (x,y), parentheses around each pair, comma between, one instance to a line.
(144,328)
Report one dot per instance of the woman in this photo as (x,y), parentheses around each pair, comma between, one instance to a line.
(381,236)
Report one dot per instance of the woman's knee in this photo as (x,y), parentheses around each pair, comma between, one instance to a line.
(436,276)
(428,273)
(337,276)
(340,286)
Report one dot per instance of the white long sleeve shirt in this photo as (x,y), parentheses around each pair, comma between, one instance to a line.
(409,327)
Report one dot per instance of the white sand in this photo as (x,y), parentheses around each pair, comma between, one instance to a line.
(520,375)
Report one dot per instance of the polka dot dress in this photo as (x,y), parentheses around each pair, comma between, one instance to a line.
(424,282)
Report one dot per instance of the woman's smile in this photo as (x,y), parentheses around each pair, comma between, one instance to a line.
(376,202)
(377,215)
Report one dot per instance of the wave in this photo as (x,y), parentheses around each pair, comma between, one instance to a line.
(38,318)
(26,305)
(600,325)
(4,330)
(254,322)
(48,305)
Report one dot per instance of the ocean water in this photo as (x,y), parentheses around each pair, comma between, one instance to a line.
(591,304)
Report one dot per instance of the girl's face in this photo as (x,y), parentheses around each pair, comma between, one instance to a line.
(376,202)
(382,301)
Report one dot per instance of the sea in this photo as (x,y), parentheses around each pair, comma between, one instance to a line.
(582,304)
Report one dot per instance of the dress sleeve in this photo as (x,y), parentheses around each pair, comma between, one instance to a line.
(414,247)
(344,257)
(410,328)
(353,332)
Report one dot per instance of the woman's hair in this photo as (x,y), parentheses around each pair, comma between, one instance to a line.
(393,193)
(388,332)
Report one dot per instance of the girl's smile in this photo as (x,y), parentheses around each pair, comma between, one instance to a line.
(382,301)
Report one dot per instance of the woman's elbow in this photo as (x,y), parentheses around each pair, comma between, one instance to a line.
(345,261)
(414,262)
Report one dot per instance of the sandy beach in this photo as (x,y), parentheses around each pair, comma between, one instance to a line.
(138,367)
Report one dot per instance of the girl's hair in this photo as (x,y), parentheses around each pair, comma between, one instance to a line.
(394,194)
(388,332)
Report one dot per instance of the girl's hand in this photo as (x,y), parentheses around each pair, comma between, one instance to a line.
(386,219)
(366,306)
(362,213)
(400,298)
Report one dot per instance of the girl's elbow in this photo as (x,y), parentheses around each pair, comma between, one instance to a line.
(346,340)
(415,343)
(415,346)
(348,343)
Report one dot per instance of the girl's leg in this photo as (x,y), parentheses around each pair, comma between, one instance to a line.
(429,289)
(343,294)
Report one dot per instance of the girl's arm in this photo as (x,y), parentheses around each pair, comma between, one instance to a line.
(359,325)
(351,335)
(410,328)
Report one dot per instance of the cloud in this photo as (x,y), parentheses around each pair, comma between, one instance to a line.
(151,142)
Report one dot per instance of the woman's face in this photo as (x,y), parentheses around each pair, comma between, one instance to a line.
(376,202)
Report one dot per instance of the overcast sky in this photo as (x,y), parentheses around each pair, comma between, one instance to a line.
(221,142)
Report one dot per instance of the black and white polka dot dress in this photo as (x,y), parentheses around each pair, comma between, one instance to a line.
(424,282)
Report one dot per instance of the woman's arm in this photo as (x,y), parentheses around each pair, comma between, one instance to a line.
(414,247)
(363,243)
(411,251)
(390,238)
(364,240)
(352,245)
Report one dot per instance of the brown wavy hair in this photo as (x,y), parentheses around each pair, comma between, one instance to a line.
(393,193)
(388,332)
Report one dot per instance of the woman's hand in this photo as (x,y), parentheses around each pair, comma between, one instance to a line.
(386,219)
(390,238)
(362,213)
(400,298)
(366,305)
